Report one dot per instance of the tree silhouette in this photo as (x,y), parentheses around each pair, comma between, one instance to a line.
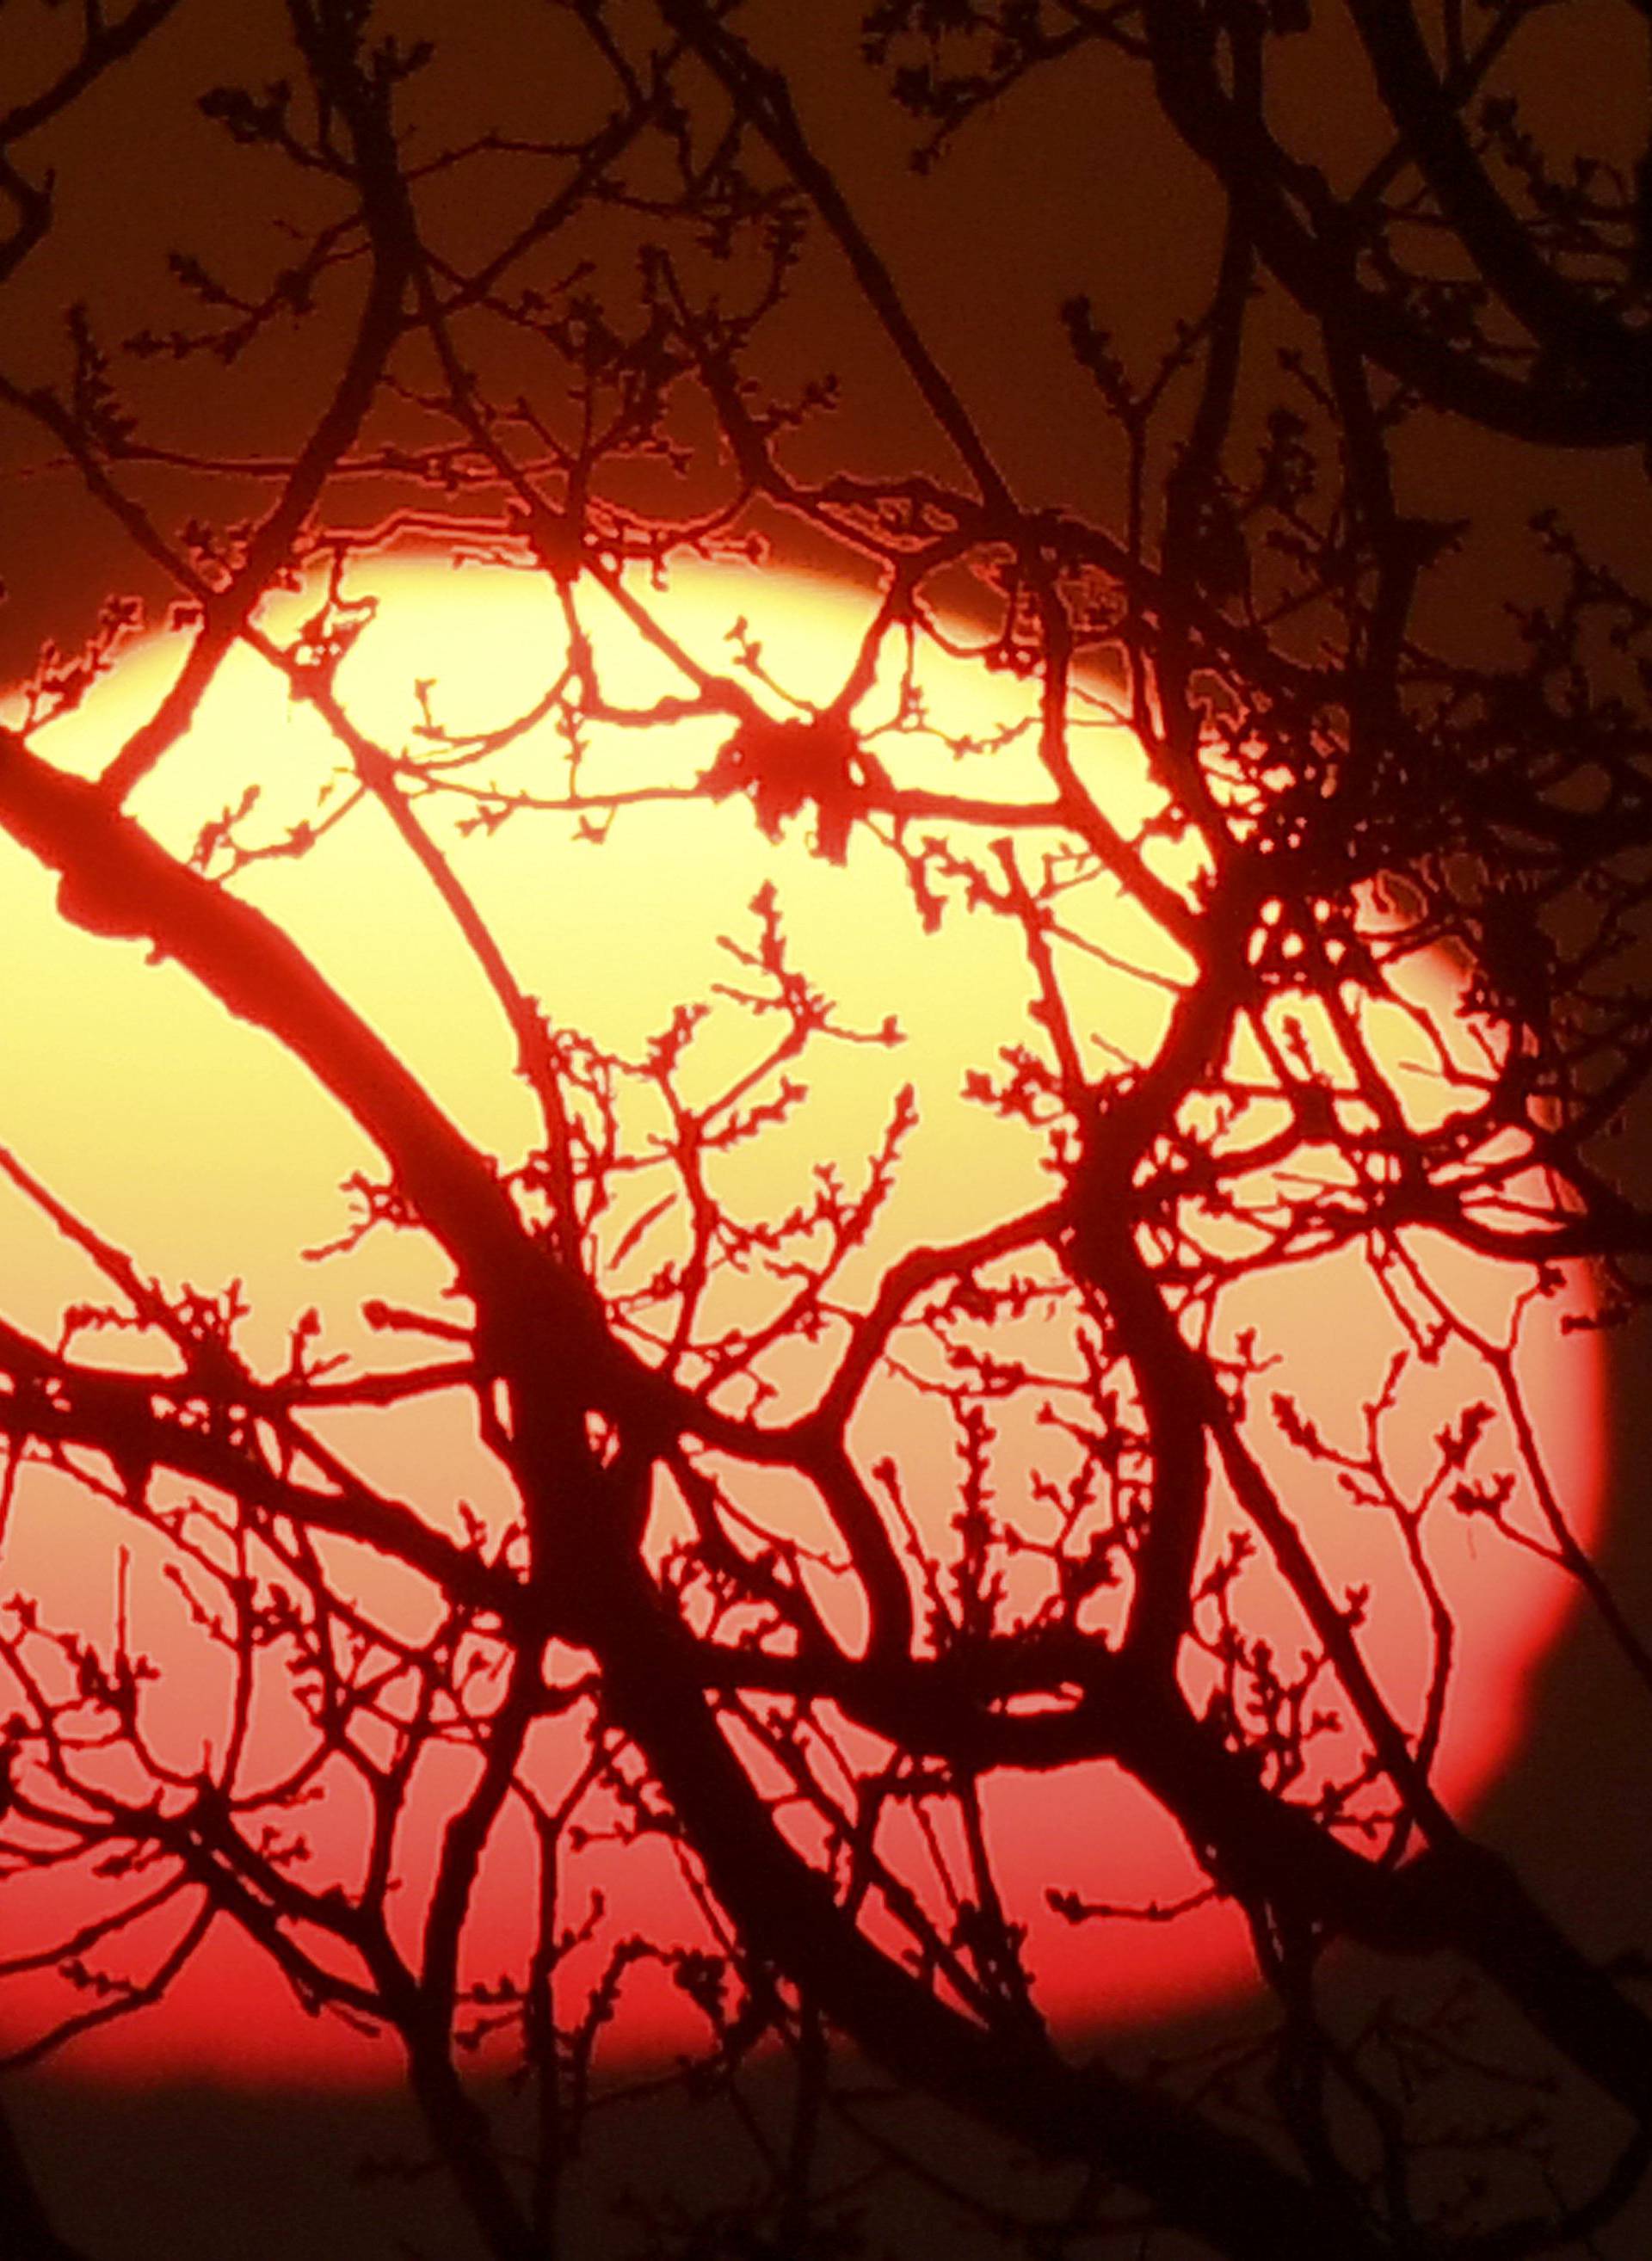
(1381,877)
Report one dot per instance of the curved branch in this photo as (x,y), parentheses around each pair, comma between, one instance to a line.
(1315,265)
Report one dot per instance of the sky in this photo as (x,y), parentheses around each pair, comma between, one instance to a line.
(1074,186)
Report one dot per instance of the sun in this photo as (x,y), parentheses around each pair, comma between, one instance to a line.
(665,928)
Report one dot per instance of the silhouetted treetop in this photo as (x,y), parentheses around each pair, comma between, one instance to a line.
(971,1055)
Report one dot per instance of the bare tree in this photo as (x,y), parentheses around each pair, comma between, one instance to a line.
(578,339)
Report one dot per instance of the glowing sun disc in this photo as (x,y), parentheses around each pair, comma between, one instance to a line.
(192,1141)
